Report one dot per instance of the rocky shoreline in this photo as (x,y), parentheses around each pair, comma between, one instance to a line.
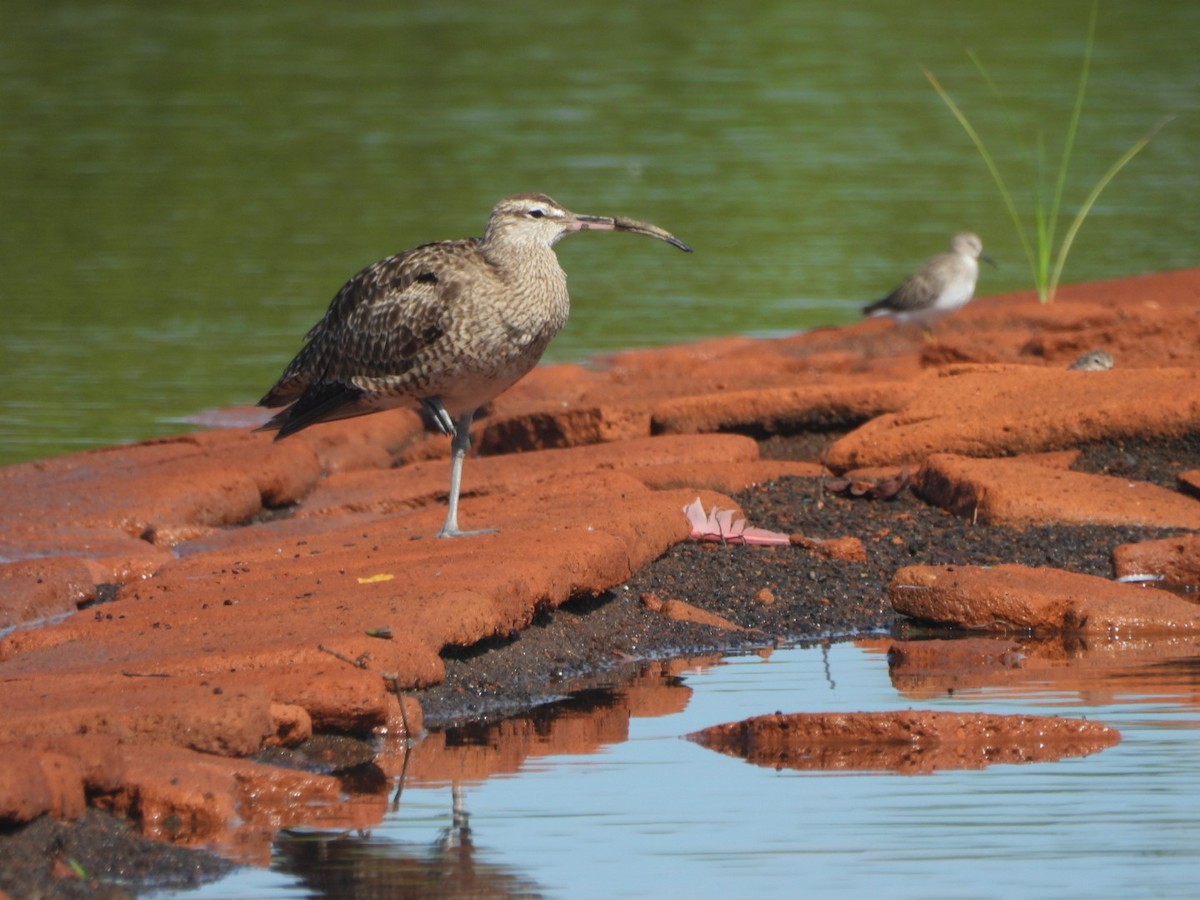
(232,596)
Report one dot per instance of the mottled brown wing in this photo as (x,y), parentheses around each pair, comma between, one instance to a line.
(379,323)
(385,336)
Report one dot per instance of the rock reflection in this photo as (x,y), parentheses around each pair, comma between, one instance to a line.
(911,742)
(451,863)
(1101,671)
(581,724)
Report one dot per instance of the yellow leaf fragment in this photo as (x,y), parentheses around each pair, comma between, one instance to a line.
(372,579)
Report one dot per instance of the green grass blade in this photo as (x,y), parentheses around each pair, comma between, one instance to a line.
(1045,222)
(1033,161)
(1072,128)
(994,88)
(1077,222)
(1005,194)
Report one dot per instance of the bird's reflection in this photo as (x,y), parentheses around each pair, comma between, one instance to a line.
(365,866)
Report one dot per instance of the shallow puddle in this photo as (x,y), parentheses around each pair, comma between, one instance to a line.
(600,796)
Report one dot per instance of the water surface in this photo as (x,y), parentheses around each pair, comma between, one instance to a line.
(643,813)
(185,186)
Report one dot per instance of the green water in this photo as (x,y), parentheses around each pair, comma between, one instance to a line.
(184,186)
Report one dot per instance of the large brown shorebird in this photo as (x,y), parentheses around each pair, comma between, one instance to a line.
(944,284)
(449,325)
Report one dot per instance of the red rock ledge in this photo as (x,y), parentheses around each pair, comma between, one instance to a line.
(231,628)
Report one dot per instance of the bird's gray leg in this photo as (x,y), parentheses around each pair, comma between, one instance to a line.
(458,452)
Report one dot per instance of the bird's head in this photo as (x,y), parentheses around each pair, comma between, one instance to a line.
(537,220)
(967,243)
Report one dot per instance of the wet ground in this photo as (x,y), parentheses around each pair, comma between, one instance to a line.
(772,594)
(97,857)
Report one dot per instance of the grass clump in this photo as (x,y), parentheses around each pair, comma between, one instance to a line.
(1045,263)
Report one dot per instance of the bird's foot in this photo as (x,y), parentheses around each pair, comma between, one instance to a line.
(456,532)
(441,418)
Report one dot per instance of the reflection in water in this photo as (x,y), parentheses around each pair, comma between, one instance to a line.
(599,796)
(450,864)
(363,867)
(912,742)
(1094,671)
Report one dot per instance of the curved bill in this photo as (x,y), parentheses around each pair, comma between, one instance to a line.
(620,223)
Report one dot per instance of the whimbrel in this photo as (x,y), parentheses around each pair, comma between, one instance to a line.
(945,283)
(449,325)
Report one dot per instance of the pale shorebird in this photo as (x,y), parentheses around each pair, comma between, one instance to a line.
(449,324)
(1093,361)
(945,283)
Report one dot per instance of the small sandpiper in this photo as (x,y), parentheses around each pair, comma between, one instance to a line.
(944,284)
(449,325)
(1093,361)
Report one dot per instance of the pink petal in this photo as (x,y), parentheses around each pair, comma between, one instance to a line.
(719,525)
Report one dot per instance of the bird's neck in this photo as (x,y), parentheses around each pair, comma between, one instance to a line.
(535,284)
(522,262)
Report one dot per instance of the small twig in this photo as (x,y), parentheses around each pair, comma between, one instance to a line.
(146,674)
(393,682)
(359,663)
(400,780)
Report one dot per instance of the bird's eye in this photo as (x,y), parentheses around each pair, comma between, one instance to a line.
(537,213)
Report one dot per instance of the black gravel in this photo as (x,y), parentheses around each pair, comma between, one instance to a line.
(97,857)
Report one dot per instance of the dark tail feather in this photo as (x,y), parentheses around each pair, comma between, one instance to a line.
(318,403)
